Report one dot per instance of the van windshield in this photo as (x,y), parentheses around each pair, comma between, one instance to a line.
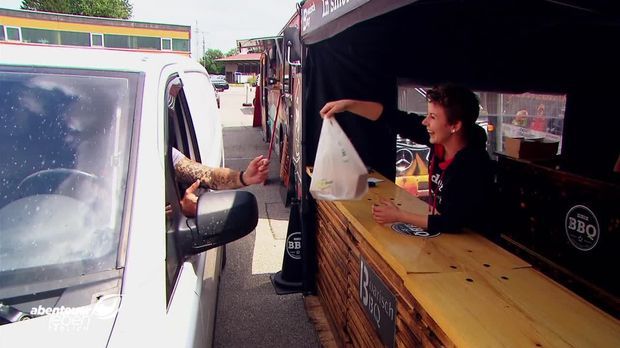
(65,138)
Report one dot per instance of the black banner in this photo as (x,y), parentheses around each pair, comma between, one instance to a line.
(316,13)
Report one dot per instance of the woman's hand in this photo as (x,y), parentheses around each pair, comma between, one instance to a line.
(386,212)
(257,171)
(367,109)
(334,107)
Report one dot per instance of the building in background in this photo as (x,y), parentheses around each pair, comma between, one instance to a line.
(44,28)
(240,66)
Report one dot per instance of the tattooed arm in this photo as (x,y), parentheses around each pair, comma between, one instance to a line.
(188,171)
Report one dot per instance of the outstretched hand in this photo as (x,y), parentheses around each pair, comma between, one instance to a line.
(332,108)
(385,212)
(257,171)
(368,109)
(189,202)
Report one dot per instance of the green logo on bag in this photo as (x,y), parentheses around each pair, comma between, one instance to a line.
(324,184)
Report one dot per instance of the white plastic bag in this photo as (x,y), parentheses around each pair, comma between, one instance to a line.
(339,173)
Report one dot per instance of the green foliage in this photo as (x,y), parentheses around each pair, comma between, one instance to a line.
(231,52)
(208,61)
(94,8)
(252,80)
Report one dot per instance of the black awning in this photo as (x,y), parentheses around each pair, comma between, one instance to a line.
(257,42)
(509,45)
(322,19)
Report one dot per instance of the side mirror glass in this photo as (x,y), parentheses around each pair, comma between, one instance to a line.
(222,217)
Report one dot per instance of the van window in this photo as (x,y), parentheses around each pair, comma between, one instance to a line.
(65,137)
(200,97)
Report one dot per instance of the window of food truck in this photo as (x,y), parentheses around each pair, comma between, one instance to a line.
(534,117)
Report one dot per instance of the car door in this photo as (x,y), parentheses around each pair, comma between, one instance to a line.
(204,116)
(184,275)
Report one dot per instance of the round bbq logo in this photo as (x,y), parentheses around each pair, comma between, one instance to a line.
(412,230)
(293,245)
(582,228)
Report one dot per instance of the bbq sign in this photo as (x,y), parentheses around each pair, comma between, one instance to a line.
(582,228)
(378,302)
(293,245)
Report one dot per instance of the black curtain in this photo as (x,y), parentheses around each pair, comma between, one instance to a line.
(352,65)
(509,46)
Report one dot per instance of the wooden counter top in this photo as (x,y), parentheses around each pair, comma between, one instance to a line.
(409,254)
(479,294)
(521,308)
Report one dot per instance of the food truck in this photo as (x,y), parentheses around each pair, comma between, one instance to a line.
(278,94)
(546,74)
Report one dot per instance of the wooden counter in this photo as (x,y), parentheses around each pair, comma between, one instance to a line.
(451,290)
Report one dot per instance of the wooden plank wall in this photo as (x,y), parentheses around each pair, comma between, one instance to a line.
(339,248)
(333,249)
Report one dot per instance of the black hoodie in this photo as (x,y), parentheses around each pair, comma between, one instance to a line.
(462,190)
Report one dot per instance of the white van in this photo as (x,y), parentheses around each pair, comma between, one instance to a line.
(88,255)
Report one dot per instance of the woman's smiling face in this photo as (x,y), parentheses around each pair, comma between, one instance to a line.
(437,125)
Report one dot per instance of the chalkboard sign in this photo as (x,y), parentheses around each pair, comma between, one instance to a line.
(379,303)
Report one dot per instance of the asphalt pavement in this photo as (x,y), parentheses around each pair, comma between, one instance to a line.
(250,313)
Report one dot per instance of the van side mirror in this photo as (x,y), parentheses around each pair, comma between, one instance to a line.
(222,217)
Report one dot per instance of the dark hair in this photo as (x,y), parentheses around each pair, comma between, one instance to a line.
(460,103)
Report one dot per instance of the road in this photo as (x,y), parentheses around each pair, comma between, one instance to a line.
(250,314)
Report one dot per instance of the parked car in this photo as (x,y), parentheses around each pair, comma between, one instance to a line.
(94,249)
(219,83)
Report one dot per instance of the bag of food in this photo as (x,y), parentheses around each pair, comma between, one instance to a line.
(339,173)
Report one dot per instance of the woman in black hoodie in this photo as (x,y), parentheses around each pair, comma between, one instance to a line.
(461,172)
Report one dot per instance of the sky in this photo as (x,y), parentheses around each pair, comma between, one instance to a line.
(218,22)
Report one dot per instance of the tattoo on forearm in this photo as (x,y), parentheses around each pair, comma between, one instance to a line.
(187,171)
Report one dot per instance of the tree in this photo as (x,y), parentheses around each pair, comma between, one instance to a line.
(231,52)
(208,61)
(93,8)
